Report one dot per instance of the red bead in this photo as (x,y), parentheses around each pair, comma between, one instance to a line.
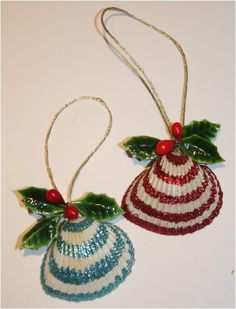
(164,146)
(177,130)
(53,196)
(71,212)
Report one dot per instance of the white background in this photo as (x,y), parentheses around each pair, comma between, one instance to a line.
(52,53)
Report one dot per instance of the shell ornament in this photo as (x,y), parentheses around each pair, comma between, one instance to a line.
(86,261)
(175,195)
(87,257)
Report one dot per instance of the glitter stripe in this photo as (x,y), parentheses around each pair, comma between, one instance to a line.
(174,217)
(91,286)
(172,168)
(86,296)
(79,237)
(168,224)
(85,249)
(177,159)
(159,228)
(173,231)
(82,264)
(119,278)
(171,208)
(95,271)
(69,226)
(157,185)
(176,180)
(169,199)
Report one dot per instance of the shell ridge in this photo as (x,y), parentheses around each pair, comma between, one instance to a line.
(177,158)
(157,220)
(153,212)
(89,291)
(165,198)
(95,271)
(83,263)
(86,296)
(177,169)
(86,248)
(191,213)
(207,207)
(134,216)
(78,237)
(175,177)
(78,226)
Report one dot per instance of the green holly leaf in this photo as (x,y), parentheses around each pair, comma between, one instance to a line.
(35,201)
(41,234)
(204,128)
(99,207)
(200,149)
(141,147)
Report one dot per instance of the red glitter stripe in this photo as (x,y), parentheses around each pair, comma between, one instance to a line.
(173,217)
(169,199)
(177,159)
(172,231)
(177,180)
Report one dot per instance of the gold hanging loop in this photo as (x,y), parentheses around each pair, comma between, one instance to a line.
(139,71)
(46,151)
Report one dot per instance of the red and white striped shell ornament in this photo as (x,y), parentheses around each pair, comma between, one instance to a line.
(175,195)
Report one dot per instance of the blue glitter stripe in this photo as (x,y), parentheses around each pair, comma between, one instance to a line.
(87,248)
(95,271)
(91,296)
(79,226)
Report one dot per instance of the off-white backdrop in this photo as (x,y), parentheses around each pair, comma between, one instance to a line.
(52,53)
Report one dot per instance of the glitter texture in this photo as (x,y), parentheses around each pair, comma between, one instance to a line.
(77,227)
(101,274)
(85,249)
(95,271)
(175,196)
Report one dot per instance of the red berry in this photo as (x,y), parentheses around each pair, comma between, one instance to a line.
(53,196)
(71,212)
(177,130)
(164,146)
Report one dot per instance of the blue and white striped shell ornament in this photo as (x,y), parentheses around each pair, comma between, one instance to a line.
(88,259)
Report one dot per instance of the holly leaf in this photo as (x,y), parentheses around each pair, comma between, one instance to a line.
(41,234)
(200,149)
(141,147)
(35,201)
(99,207)
(204,128)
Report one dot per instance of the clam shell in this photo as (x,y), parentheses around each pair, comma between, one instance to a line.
(87,260)
(174,196)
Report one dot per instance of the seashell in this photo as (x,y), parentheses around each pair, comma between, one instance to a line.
(87,260)
(174,196)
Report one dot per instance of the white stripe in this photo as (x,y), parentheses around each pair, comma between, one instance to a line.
(171,208)
(79,237)
(167,224)
(81,264)
(173,189)
(90,287)
(175,170)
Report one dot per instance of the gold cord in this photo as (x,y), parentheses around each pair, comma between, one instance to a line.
(46,152)
(139,71)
